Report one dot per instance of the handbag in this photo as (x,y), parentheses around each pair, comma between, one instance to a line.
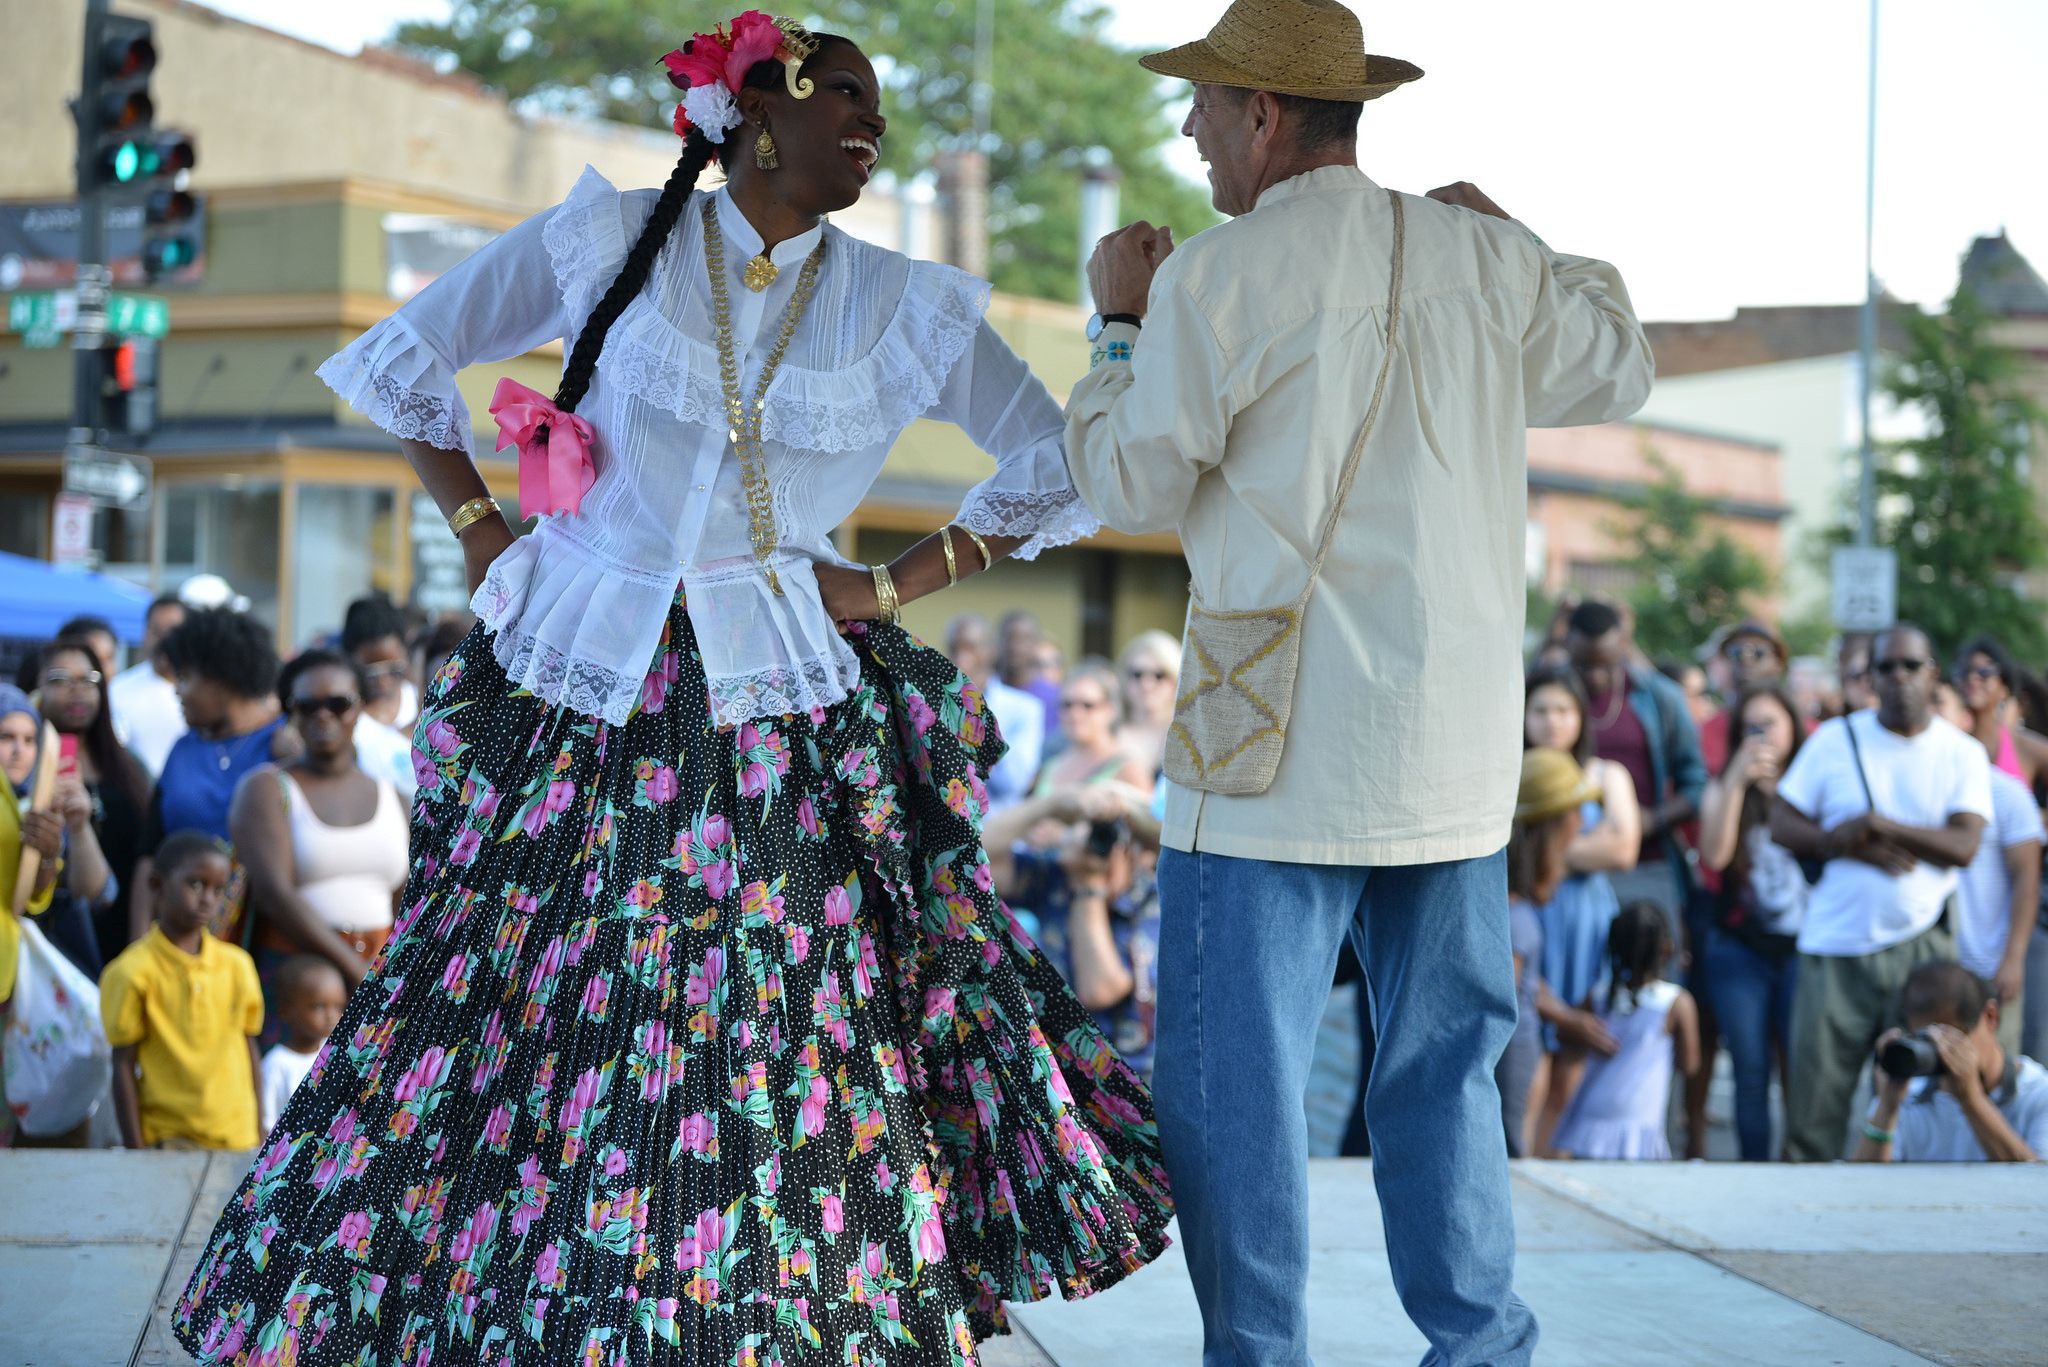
(57,1064)
(1237,680)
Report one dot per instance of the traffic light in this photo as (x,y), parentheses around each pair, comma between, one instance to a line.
(116,114)
(127,388)
(171,224)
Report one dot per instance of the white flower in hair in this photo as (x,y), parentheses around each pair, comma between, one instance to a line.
(712,109)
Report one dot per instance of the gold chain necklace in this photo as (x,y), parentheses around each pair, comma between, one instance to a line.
(744,430)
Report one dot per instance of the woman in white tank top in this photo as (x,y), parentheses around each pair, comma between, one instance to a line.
(324,843)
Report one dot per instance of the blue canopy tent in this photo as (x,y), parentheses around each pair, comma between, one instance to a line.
(36,598)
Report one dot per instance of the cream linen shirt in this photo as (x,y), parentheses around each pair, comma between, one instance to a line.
(1244,393)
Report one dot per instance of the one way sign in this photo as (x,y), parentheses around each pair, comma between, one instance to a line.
(113,478)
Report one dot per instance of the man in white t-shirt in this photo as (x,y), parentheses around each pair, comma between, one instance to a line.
(971,646)
(148,718)
(1986,1103)
(1894,802)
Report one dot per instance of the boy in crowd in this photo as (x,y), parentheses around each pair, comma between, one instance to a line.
(310,998)
(184,1007)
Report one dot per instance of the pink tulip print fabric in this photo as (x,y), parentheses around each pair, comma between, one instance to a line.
(691,1046)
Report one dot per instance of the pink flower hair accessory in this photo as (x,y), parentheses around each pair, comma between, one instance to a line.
(711,67)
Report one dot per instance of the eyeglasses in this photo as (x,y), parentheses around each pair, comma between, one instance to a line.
(1080,704)
(1980,673)
(1148,675)
(1887,668)
(64,678)
(1749,654)
(335,706)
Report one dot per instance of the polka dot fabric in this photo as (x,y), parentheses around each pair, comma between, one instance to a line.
(691,1046)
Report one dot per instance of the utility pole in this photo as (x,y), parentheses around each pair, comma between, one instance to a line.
(1866,488)
(95,280)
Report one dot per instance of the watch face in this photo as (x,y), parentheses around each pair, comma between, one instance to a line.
(1095,326)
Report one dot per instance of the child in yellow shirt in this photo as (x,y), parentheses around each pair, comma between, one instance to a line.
(183,1008)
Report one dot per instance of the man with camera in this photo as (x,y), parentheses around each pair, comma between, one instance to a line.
(1947,1091)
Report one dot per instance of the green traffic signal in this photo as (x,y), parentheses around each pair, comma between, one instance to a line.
(125,162)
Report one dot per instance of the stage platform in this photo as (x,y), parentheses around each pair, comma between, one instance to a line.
(1629,1265)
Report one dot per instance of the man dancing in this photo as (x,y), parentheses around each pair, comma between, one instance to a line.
(1232,381)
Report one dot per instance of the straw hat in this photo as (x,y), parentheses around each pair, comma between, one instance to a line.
(1552,784)
(1311,48)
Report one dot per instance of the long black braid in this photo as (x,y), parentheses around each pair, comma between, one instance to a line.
(1638,943)
(698,152)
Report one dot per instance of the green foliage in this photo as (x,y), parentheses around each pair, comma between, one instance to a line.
(1957,504)
(1060,88)
(1689,578)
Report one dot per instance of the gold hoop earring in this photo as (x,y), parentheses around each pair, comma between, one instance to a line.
(764,152)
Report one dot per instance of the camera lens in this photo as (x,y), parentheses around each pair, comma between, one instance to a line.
(1910,1056)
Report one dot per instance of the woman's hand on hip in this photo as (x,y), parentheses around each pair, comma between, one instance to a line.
(848,595)
(482,543)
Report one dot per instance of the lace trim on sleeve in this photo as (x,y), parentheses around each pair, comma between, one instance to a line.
(864,405)
(390,377)
(1049,517)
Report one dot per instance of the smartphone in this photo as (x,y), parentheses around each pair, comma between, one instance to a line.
(67,755)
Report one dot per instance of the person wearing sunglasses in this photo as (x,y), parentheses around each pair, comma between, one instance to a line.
(1894,803)
(1988,680)
(324,843)
(115,788)
(1150,671)
(1753,656)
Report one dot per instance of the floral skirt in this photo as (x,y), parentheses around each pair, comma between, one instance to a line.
(690,1046)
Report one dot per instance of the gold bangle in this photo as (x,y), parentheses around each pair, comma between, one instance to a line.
(886,603)
(952,565)
(471,513)
(988,562)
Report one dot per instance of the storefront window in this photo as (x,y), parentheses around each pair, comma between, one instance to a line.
(342,549)
(229,530)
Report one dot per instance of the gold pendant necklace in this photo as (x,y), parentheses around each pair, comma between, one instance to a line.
(759,274)
(744,420)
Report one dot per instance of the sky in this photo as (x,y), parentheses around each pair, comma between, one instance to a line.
(1714,153)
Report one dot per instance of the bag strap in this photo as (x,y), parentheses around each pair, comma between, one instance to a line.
(1856,750)
(1379,392)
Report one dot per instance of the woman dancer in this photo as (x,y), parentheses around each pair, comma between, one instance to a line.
(700,1037)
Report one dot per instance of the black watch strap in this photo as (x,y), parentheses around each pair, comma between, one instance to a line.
(1133,319)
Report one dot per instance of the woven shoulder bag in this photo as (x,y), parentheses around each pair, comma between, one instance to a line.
(1237,677)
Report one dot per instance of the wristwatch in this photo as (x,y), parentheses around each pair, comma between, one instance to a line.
(1097,322)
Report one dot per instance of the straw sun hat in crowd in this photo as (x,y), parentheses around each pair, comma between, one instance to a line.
(1552,784)
(1311,48)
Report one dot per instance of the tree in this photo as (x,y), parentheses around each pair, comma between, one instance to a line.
(1956,504)
(1060,89)
(1689,578)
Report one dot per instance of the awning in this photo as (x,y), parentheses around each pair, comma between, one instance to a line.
(37,597)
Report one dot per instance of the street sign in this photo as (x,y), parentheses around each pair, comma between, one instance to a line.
(113,478)
(41,316)
(1866,588)
(138,315)
(71,531)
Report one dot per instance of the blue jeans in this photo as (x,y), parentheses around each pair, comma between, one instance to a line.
(1247,949)
(1752,998)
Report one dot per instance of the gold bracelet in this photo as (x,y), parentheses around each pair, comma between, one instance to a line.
(471,513)
(886,603)
(988,562)
(952,565)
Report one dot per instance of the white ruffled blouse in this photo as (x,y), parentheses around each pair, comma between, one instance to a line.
(577,608)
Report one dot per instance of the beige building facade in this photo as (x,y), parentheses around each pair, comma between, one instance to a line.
(334,187)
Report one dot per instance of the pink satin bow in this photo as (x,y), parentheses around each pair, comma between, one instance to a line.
(554,474)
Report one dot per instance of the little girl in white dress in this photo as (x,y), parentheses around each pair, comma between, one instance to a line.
(1619,1110)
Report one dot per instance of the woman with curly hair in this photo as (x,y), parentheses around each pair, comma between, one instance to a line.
(701,1036)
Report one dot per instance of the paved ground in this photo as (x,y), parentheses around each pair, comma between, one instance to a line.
(1625,1264)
